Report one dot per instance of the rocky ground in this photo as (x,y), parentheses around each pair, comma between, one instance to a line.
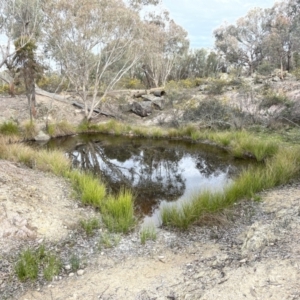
(251,251)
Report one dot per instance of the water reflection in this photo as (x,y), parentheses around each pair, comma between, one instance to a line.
(158,171)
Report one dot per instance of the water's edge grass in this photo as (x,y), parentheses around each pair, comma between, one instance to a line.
(280,163)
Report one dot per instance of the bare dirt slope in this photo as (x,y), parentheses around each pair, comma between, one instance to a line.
(252,252)
(255,258)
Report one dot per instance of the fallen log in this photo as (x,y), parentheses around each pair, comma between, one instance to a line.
(68,101)
(138,94)
(51,95)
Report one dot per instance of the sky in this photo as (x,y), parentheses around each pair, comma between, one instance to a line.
(200,17)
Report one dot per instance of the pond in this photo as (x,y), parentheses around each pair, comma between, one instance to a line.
(157,171)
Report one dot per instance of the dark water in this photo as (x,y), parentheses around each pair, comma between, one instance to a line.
(158,171)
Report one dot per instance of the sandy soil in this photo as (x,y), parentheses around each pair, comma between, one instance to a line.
(250,252)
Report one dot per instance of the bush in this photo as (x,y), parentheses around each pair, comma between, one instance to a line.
(274,98)
(53,83)
(216,86)
(265,68)
(210,111)
(296,73)
(4,89)
(131,83)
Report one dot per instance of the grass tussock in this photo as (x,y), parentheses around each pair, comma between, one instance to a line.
(9,128)
(241,143)
(52,161)
(90,189)
(111,127)
(90,225)
(62,128)
(29,130)
(108,240)
(148,233)
(33,262)
(118,212)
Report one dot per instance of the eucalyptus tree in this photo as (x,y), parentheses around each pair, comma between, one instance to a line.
(284,30)
(243,44)
(164,43)
(89,38)
(19,20)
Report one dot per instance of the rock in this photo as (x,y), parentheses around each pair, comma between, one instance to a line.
(157,102)
(202,88)
(42,137)
(142,109)
(125,107)
(71,274)
(80,272)
(258,237)
(68,267)
(276,79)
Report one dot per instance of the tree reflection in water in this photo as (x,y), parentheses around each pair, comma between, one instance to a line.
(154,170)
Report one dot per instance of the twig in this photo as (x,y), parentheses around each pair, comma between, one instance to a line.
(103,292)
(290,121)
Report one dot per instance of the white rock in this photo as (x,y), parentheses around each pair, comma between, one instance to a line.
(80,272)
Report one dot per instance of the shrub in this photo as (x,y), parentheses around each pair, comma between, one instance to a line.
(272,98)
(296,73)
(131,83)
(210,111)
(265,68)
(53,83)
(4,89)
(216,86)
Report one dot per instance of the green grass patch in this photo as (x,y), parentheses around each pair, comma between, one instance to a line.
(9,128)
(118,213)
(111,127)
(62,128)
(29,130)
(74,262)
(148,233)
(108,240)
(272,98)
(32,262)
(90,189)
(90,225)
(52,161)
